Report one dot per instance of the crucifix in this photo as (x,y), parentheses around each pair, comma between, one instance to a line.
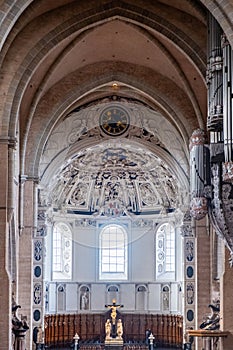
(114,308)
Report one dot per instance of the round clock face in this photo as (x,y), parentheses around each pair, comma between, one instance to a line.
(114,121)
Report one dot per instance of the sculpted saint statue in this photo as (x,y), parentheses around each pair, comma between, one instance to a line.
(119,329)
(108,328)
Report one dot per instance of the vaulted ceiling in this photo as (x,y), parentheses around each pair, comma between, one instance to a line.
(71,58)
(88,169)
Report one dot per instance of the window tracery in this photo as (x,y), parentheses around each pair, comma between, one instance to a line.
(113,253)
(165,251)
(62,252)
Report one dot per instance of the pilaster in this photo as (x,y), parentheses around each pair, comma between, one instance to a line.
(25,257)
(203,273)
(189,274)
(5,293)
(226,303)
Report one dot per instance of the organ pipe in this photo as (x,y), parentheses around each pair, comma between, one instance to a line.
(211,166)
(214,80)
(227,111)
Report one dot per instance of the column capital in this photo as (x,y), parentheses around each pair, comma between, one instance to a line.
(10,141)
(23,178)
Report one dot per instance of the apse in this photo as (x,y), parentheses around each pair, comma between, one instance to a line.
(101,168)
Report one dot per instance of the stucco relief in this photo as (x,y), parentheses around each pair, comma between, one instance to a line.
(111,180)
(84,124)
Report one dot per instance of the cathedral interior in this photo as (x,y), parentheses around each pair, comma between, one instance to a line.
(116,196)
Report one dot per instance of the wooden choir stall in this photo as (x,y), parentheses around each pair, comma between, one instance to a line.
(60,329)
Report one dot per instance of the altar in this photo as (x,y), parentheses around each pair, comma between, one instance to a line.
(114,328)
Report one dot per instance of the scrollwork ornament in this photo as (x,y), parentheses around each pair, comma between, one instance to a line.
(186,230)
(190,293)
(207,191)
(41,231)
(227,171)
(187,216)
(143,223)
(221,210)
(198,138)
(38,250)
(37,293)
(41,215)
(85,223)
(198,207)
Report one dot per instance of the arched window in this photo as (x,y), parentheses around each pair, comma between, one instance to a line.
(113,253)
(165,252)
(62,252)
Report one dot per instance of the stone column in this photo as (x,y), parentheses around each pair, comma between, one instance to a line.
(26,258)
(5,292)
(203,273)
(19,343)
(226,304)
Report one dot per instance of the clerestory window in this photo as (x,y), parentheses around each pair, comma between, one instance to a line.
(62,252)
(113,253)
(165,252)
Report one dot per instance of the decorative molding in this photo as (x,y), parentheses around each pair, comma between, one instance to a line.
(38,250)
(113,180)
(83,125)
(221,209)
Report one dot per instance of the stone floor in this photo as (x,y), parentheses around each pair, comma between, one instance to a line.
(98,347)
(155,348)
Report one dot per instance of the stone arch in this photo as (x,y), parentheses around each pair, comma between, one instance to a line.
(68,100)
(73,24)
